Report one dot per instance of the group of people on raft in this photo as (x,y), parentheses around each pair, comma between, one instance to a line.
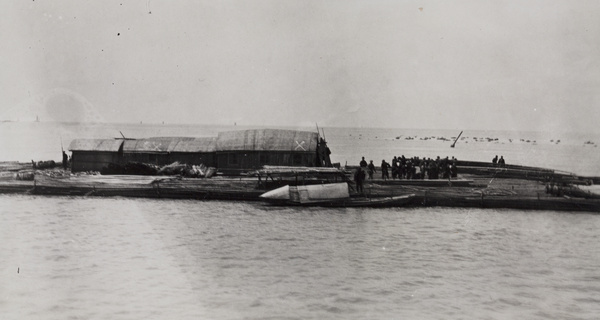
(408,168)
(498,162)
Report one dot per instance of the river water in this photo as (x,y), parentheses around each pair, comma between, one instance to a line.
(118,258)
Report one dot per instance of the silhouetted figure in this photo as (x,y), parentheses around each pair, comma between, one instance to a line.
(384,170)
(363,163)
(323,152)
(433,170)
(446,171)
(359,178)
(453,170)
(65,160)
(501,161)
(408,170)
(371,170)
(394,168)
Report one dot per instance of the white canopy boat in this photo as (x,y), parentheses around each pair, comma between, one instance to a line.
(328,195)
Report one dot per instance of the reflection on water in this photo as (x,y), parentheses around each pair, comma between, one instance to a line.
(118,258)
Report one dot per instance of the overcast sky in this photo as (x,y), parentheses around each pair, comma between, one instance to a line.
(517,65)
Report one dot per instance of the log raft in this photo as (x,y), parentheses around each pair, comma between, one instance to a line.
(523,188)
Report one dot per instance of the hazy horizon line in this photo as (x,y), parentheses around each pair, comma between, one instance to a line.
(252,125)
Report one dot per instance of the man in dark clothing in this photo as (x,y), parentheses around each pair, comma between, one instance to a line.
(384,170)
(408,170)
(323,152)
(65,160)
(453,170)
(501,161)
(495,160)
(433,170)
(446,171)
(372,170)
(359,178)
(363,163)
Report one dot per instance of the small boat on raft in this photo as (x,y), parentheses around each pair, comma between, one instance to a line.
(329,195)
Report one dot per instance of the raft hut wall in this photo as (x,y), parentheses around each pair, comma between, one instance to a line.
(94,154)
(238,151)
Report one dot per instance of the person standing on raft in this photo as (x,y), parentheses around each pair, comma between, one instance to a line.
(501,162)
(384,170)
(363,163)
(359,178)
(372,170)
(65,160)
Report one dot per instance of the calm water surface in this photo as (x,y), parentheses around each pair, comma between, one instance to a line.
(87,258)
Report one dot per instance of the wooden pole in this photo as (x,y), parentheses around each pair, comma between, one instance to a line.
(452,146)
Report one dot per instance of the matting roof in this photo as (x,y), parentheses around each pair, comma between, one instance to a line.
(267,140)
(196,145)
(100,145)
(170,144)
(246,140)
